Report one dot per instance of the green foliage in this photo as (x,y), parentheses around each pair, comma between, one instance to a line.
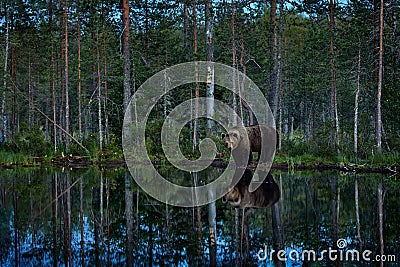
(10,158)
(32,142)
(158,41)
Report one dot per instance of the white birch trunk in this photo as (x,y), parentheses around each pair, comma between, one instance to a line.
(356,103)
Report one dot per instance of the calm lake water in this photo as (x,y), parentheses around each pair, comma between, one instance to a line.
(92,217)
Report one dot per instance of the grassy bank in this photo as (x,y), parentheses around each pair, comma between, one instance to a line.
(17,159)
(388,162)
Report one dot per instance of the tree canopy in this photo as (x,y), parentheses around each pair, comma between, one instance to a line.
(303,52)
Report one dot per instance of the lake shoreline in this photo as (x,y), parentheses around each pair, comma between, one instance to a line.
(288,166)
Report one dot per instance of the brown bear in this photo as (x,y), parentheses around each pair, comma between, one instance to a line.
(266,195)
(240,146)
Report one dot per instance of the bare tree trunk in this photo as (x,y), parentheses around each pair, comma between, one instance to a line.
(333,101)
(126,53)
(3,127)
(356,103)
(242,87)
(273,96)
(186,29)
(212,210)
(51,74)
(234,77)
(14,91)
(197,92)
(30,95)
(66,73)
(60,69)
(99,97)
(79,72)
(106,126)
(279,77)
(147,32)
(378,126)
(210,64)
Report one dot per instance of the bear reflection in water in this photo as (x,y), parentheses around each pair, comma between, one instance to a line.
(265,196)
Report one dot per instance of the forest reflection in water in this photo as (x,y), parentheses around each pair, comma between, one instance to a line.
(101,217)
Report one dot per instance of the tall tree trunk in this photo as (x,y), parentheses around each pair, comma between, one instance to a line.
(51,74)
(273,96)
(61,69)
(243,87)
(99,96)
(30,95)
(356,103)
(378,126)
(147,32)
(333,100)
(234,77)
(66,73)
(3,119)
(210,64)
(279,73)
(196,91)
(14,91)
(186,30)
(79,72)
(105,84)
(126,53)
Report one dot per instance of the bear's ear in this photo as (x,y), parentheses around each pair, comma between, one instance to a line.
(224,135)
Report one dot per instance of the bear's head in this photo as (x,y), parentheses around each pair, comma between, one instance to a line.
(231,140)
(233,197)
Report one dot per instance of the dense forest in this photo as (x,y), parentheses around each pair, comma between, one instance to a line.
(330,69)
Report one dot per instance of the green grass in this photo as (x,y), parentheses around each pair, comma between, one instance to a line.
(11,158)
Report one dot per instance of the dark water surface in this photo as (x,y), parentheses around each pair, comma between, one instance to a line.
(92,217)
